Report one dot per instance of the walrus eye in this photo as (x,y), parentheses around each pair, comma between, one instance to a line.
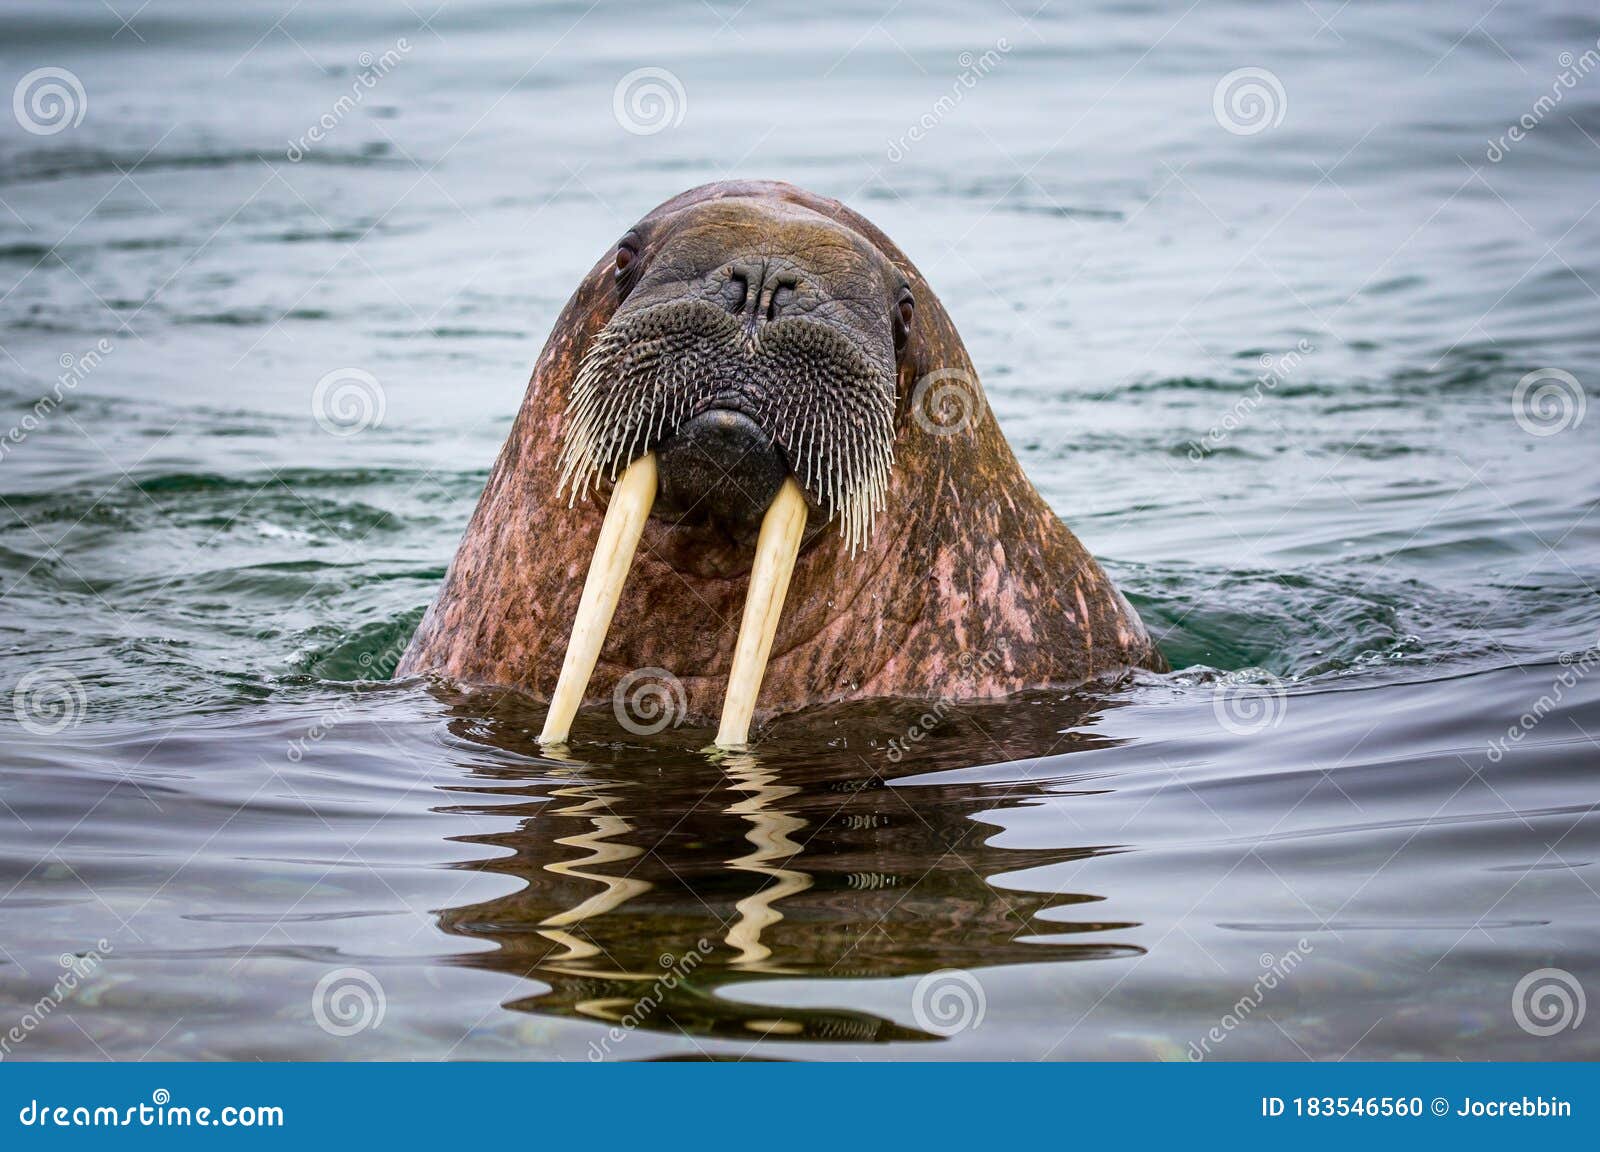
(905,308)
(626,260)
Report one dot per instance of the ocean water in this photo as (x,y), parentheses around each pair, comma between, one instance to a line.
(1279,313)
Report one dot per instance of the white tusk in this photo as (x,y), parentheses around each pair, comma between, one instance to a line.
(629,508)
(776,549)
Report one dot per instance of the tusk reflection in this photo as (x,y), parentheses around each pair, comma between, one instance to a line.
(615,890)
(770,831)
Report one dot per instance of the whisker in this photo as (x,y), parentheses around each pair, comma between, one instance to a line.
(825,403)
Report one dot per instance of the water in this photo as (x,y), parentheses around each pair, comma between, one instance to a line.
(1361,805)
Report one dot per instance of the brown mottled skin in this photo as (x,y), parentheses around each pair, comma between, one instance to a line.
(970,586)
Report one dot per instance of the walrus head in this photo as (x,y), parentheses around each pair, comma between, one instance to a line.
(756,441)
(750,343)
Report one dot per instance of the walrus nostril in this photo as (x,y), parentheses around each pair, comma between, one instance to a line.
(757,292)
(721,466)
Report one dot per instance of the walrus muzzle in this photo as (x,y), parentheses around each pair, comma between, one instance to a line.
(723,467)
(696,411)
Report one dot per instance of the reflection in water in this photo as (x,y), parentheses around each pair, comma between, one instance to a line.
(770,830)
(654,883)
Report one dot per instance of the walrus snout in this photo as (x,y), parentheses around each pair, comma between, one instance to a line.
(720,466)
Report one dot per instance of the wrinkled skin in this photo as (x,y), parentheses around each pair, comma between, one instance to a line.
(968,585)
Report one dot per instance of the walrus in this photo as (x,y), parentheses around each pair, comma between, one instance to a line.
(754,455)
